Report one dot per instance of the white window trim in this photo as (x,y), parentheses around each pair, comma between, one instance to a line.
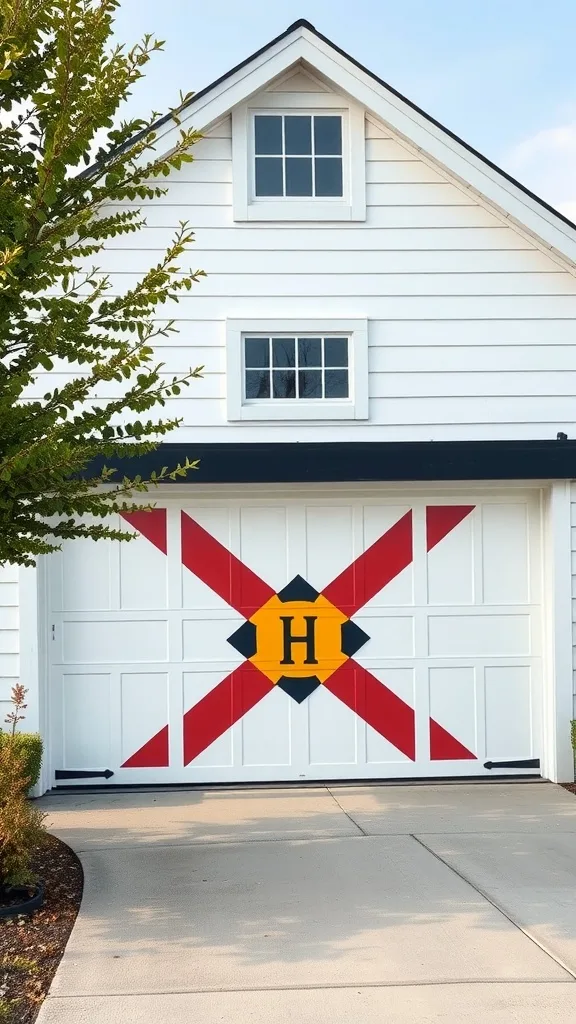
(353,408)
(353,205)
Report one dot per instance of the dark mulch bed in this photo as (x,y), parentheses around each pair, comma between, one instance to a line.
(31,947)
(570,786)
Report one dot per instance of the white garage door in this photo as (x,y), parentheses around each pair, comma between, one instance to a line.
(300,639)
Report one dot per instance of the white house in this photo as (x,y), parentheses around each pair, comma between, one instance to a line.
(369,576)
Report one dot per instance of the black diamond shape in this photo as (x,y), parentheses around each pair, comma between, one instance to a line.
(244,639)
(353,638)
(298,590)
(298,689)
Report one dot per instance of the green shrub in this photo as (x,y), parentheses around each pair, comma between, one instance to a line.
(28,746)
(21,823)
(573,734)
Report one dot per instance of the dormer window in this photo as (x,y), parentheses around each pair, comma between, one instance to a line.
(298,155)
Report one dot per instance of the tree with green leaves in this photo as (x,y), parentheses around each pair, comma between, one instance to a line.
(71,176)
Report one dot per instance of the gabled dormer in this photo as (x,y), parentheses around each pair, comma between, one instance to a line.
(299,152)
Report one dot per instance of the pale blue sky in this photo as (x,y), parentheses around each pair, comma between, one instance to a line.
(499,73)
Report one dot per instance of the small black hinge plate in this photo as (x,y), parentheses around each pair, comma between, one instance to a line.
(530,762)
(62,774)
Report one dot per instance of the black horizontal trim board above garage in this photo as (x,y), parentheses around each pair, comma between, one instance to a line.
(337,462)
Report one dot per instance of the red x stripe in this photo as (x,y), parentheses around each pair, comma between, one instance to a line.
(373,569)
(222,707)
(225,574)
(360,691)
(243,590)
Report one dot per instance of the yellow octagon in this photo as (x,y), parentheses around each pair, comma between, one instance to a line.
(298,638)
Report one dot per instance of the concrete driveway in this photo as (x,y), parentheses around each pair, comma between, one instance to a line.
(405,904)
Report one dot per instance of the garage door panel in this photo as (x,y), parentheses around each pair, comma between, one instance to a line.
(329,543)
(508,700)
(266,731)
(86,719)
(505,555)
(450,566)
(453,702)
(136,641)
(83,576)
(143,710)
(198,596)
(380,753)
(391,636)
(195,593)
(402,682)
(332,730)
(488,635)
(143,576)
(377,519)
(206,640)
(220,753)
(263,543)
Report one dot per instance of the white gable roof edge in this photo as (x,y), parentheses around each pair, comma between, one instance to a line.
(302,42)
(432,139)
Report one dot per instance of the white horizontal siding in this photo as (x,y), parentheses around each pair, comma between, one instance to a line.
(162,214)
(551,361)
(213,147)
(387,149)
(400,172)
(378,286)
(403,411)
(375,307)
(397,172)
(365,239)
(471,326)
(387,384)
(447,345)
(351,262)
(219,193)
(220,148)
(495,383)
(9,639)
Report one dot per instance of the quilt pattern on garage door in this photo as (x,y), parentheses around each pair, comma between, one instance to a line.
(298,638)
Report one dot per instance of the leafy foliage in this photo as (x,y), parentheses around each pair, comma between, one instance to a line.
(29,746)
(61,86)
(21,823)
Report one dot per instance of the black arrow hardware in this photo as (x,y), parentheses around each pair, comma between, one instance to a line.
(60,774)
(530,762)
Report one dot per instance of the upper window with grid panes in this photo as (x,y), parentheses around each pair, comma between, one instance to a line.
(299,368)
(298,156)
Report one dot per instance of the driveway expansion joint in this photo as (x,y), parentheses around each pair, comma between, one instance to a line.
(489,899)
(349,816)
(318,987)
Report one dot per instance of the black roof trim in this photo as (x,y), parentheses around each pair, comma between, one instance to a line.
(303,23)
(347,461)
